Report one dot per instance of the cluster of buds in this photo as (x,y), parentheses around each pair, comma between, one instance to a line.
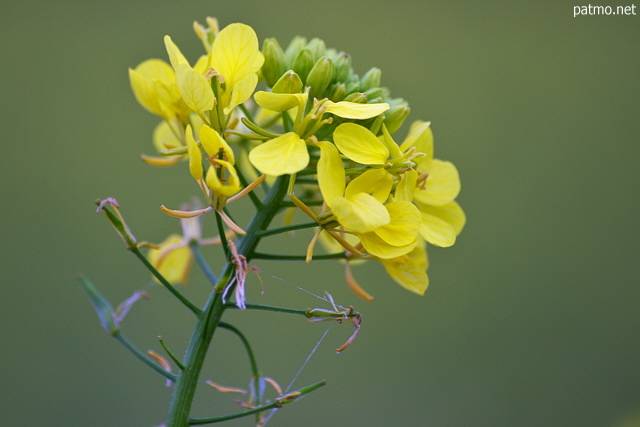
(371,195)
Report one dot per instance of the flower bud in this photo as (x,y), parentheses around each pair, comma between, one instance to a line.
(274,63)
(371,79)
(395,116)
(342,67)
(303,63)
(292,50)
(289,83)
(358,97)
(317,48)
(320,77)
(337,92)
(378,92)
(102,307)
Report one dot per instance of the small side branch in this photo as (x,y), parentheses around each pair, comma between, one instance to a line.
(279,402)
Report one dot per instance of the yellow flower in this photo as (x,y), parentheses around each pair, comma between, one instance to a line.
(153,83)
(410,270)
(385,230)
(172,259)
(234,61)
(433,187)
(287,154)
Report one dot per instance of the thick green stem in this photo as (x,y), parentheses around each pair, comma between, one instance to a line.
(208,320)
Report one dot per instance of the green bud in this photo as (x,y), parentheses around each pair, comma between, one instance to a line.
(358,97)
(274,63)
(317,48)
(111,210)
(289,83)
(292,50)
(371,79)
(342,67)
(320,77)
(303,63)
(352,87)
(395,116)
(102,307)
(377,92)
(337,92)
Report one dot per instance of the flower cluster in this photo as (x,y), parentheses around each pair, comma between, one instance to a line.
(330,130)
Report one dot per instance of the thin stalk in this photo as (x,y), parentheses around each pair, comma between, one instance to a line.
(202,263)
(255,373)
(286,229)
(165,282)
(288,204)
(143,357)
(187,380)
(252,195)
(290,397)
(223,235)
(260,255)
(272,308)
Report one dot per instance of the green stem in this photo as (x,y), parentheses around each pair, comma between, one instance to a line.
(185,387)
(140,355)
(165,282)
(223,235)
(252,195)
(255,373)
(271,308)
(286,229)
(202,263)
(291,397)
(288,204)
(260,255)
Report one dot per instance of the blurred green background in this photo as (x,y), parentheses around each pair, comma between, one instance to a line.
(532,318)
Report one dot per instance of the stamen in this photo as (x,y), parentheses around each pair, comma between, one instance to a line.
(354,286)
(162,362)
(247,189)
(223,389)
(312,245)
(185,214)
(232,225)
(304,208)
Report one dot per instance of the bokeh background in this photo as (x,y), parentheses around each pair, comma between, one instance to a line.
(532,318)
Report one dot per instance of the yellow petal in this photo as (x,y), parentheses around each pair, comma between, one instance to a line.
(410,271)
(230,186)
(378,247)
(175,56)
(285,154)
(172,259)
(421,137)
(392,146)
(280,101)
(195,156)
(442,185)
(235,53)
(164,138)
(376,182)
(331,177)
(360,144)
(361,213)
(403,227)
(451,213)
(406,187)
(161,161)
(441,224)
(144,79)
(354,110)
(242,91)
(213,143)
(195,89)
